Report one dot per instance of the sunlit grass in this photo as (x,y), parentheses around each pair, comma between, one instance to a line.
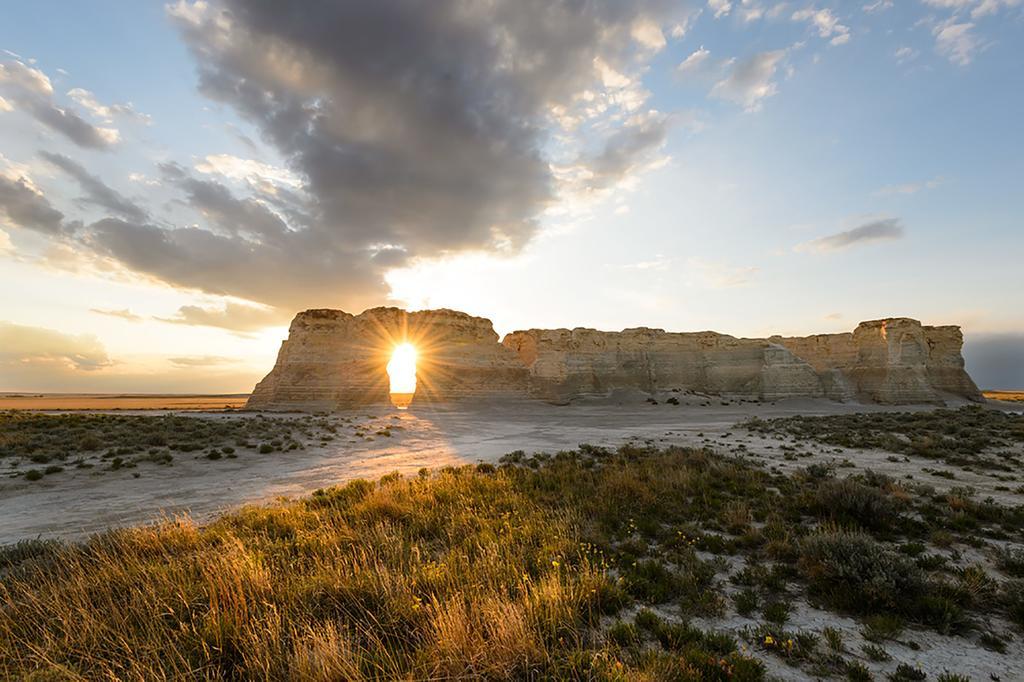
(546,567)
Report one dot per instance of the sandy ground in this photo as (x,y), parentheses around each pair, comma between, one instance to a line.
(106,401)
(78,502)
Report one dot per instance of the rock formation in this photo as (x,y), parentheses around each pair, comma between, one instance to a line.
(334,359)
(896,360)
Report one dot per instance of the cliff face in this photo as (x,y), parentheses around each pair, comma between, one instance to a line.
(896,360)
(567,363)
(335,359)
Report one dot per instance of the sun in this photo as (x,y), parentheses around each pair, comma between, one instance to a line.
(402,373)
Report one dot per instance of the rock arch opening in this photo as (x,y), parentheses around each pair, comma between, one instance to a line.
(401,369)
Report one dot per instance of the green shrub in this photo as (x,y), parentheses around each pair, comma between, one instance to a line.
(33,474)
(265,448)
(846,500)
(853,572)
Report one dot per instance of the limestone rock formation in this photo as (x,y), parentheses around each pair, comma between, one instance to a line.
(568,363)
(896,360)
(334,359)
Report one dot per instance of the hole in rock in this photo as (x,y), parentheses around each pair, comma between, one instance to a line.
(402,373)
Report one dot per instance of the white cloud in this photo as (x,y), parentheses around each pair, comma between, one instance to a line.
(5,105)
(956,41)
(827,24)
(694,61)
(88,101)
(5,243)
(910,187)
(720,7)
(21,75)
(979,8)
(905,53)
(648,33)
(238,168)
(878,6)
(31,90)
(750,80)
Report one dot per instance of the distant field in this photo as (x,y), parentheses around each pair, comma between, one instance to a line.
(1014,396)
(105,401)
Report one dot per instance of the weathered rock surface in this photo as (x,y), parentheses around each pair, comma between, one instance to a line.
(896,360)
(566,363)
(335,359)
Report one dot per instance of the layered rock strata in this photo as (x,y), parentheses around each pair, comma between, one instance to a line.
(334,359)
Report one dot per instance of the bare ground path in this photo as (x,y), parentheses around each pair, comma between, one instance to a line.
(79,502)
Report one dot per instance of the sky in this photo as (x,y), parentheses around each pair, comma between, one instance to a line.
(178,180)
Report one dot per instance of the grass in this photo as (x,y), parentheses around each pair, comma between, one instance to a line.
(110,442)
(969,436)
(584,564)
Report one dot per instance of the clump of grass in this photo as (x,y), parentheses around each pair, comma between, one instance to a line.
(855,573)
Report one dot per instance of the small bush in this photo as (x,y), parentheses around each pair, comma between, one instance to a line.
(907,673)
(846,500)
(746,601)
(33,474)
(876,653)
(855,573)
(265,448)
(776,612)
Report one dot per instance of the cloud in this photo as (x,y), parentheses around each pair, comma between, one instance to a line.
(909,188)
(30,90)
(238,168)
(720,7)
(878,230)
(878,6)
(411,130)
(28,347)
(233,316)
(750,80)
(694,61)
(88,102)
(22,205)
(995,361)
(905,53)
(827,24)
(124,314)
(97,193)
(201,361)
(5,105)
(956,41)
(978,8)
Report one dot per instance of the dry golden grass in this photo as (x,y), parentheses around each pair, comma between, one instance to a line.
(439,578)
(54,401)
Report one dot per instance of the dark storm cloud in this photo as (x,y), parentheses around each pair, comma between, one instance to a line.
(995,361)
(410,129)
(418,129)
(218,204)
(25,207)
(96,191)
(877,230)
(30,90)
